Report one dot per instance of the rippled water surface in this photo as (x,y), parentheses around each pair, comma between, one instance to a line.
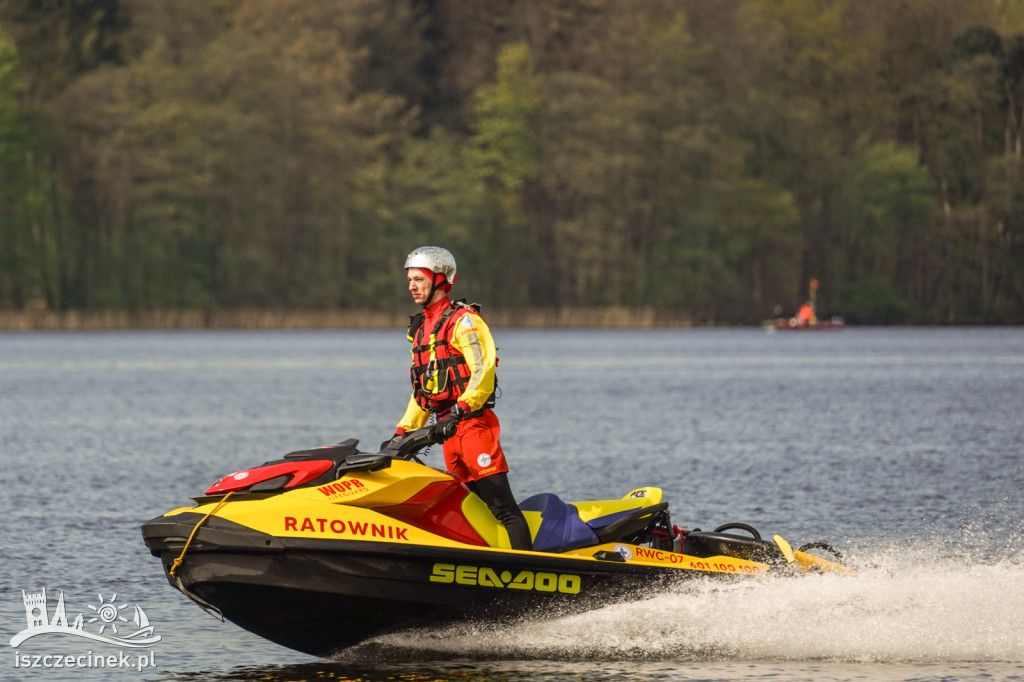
(902,447)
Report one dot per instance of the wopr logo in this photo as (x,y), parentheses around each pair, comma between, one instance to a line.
(107,621)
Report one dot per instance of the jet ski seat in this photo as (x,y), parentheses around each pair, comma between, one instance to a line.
(562,529)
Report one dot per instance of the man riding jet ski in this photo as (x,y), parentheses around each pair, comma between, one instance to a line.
(453,379)
(328,547)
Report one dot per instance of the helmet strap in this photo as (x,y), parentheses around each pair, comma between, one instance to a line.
(436,281)
(433,289)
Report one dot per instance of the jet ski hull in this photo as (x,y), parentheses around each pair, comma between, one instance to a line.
(319,596)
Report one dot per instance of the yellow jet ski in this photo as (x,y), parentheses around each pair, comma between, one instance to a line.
(331,546)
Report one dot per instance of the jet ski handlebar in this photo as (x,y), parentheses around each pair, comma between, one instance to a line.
(404,447)
(409,443)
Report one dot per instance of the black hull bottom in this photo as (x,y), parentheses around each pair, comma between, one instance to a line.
(318,596)
(321,602)
(312,622)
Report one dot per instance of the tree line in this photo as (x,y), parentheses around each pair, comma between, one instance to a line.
(700,159)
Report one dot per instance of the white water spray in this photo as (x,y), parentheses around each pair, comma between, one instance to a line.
(911,609)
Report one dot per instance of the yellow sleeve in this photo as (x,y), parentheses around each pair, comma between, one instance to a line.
(473,339)
(415,416)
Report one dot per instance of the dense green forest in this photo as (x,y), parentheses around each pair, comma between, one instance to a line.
(698,158)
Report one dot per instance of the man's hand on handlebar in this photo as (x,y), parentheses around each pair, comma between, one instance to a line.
(447,427)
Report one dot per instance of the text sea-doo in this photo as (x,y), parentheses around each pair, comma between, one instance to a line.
(328,547)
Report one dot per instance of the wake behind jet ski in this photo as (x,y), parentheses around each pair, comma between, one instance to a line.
(331,546)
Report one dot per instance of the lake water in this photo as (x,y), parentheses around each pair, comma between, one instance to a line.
(902,447)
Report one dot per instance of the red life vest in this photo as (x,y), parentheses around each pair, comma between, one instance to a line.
(439,373)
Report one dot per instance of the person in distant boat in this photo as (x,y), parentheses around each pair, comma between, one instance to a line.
(807,315)
(453,378)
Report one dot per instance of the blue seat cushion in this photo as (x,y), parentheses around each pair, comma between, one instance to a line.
(561,527)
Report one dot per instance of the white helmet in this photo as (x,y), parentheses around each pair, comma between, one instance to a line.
(435,259)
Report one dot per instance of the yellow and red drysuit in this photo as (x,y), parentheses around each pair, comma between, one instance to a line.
(453,361)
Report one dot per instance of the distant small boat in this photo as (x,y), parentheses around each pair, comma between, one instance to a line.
(792,324)
(805,320)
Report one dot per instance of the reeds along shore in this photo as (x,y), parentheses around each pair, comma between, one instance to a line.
(534,318)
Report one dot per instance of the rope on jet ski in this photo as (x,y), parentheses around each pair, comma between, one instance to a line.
(181,557)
